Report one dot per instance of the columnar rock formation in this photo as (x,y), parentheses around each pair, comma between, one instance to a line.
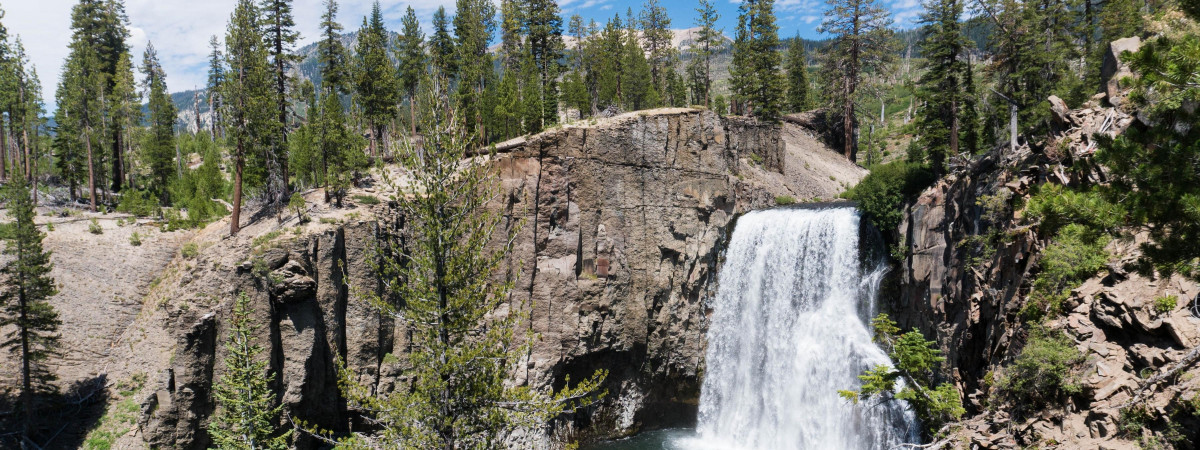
(621,226)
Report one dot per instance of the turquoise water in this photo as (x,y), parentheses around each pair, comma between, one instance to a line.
(669,439)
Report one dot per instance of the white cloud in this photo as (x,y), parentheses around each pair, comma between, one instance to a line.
(179,29)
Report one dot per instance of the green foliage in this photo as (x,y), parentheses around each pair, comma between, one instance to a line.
(882,193)
(754,75)
(135,240)
(707,42)
(366,199)
(942,88)
(115,422)
(916,361)
(375,85)
(1053,206)
(159,144)
(1048,370)
(798,98)
(197,190)
(1154,167)
(783,200)
(94,227)
(1075,254)
(860,45)
(461,351)
(140,203)
(31,323)
(1165,304)
(299,207)
(246,414)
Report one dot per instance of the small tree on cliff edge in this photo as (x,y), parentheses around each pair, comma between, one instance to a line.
(33,323)
(246,410)
(444,280)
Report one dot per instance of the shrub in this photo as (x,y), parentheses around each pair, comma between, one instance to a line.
(139,203)
(135,240)
(95,228)
(1046,371)
(298,206)
(49,226)
(367,199)
(1075,254)
(1163,305)
(190,250)
(881,195)
(783,200)
(1055,206)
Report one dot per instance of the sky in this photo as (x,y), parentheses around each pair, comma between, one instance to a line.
(180,29)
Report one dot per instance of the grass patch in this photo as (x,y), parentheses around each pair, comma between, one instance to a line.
(190,250)
(366,199)
(784,200)
(260,241)
(119,420)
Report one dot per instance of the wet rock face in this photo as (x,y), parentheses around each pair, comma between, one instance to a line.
(620,227)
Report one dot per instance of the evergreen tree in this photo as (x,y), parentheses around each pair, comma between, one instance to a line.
(610,65)
(797,76)
(636,84)
(543,25)
(474,25)
(331,54)
(250,104)
(160,142)
(704,47)
(375,85)
(340,149)
(32,323)
(247,413)
(278,30)
(83,110)
(444,275)
(411,53)
(657,35)
(126,112)
(942,87)
(755,74)
(861,42)
(216,77)
(441,44)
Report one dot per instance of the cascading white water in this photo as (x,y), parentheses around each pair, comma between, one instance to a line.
(788,331)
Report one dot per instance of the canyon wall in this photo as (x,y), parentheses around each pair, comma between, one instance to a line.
(621,226)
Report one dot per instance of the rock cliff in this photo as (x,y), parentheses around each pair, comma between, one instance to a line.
(624,221)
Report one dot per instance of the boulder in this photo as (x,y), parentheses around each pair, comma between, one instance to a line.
(1113,68)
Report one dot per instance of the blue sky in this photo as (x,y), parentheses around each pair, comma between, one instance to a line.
(180,29)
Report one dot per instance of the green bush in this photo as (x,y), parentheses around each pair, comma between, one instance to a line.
(1046,372)
(95,227)
(784,200)
(1075,254)
(194,192)
(140,203)
(1163,305)
(367,199)
(298,206)
(1054,207)
(882,194)
(135,240)
(190,250)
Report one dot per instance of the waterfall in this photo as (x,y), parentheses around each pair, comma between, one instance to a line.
(788,330)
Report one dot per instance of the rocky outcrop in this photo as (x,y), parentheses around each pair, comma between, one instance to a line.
(623,225)
(971,260)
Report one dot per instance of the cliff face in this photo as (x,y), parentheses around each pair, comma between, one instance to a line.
(969,299)
(623,222)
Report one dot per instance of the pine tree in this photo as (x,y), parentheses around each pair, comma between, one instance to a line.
(704,47)
(375,85)
(636,84)
(610,64)
(411,53)
(797,76)
(278,30)
(340,150)
(331,54)
(246,413)
(543,25)
(755,75)
(250,105)
(83,110)
(441,44)
(444,275)
(160,143)
(126,112)
(941,87)
(861,42)
(474,25)
(216,77)
(657,35)
(33,337)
